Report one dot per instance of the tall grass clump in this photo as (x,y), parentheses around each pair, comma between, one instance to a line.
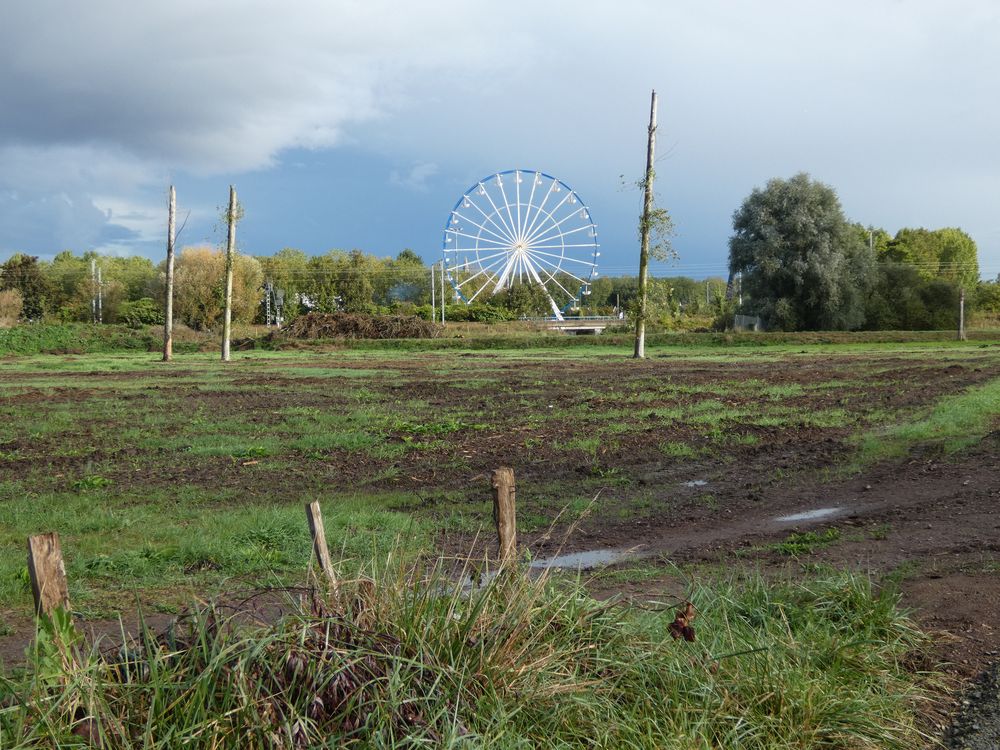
(408,659)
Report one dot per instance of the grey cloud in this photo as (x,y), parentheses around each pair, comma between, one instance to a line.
(891,102)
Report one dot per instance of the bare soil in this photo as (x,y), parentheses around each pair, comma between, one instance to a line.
(932,520)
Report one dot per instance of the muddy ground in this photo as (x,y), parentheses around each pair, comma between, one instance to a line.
(929,520)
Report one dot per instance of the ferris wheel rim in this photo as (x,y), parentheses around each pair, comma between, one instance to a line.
(510,240)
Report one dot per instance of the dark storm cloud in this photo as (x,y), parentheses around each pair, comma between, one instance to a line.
(893,103)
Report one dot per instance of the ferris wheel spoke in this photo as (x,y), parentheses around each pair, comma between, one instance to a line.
(558,269)
(506,205)
(539,209)
(543,227)
(517,200)
(505,273)
(545,230)
(508,230)
(548,235)
(555,281)
(486,285)
(483,270)
(534,274)
(483,227)
(535,181)
(479,260)
(478,238)
(536,251)
(491,220)
(562,244)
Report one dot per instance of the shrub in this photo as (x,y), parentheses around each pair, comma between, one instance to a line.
(141,312)
(11,305)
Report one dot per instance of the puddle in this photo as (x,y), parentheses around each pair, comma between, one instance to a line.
(809,515)
(580,560)
(695,483)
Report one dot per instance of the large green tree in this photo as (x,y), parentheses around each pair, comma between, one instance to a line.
(804,266)
(948,254)
(24,274)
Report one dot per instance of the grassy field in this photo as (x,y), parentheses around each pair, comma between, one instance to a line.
(165,480)
(173,481)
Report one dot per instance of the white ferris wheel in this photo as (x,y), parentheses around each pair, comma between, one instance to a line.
(521,226)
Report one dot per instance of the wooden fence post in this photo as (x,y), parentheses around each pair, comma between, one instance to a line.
(47,573)
(504,515)
(315,517)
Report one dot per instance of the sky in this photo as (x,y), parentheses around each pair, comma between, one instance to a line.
(358,124)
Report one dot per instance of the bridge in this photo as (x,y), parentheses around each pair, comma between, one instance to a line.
(581,326)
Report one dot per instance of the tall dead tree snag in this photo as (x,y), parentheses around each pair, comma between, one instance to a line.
(47,573)
(645,228)
(504,515)
(227,320)
(168,306)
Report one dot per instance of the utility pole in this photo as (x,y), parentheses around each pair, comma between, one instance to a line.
(434,308)
(100,297)
(442,292)
(227,320)
(647,208)
(168,307)
(93,290)
(961,314)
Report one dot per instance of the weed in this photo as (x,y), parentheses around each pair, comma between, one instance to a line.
(90,482)
(807,542)
(879,531)
(677,450)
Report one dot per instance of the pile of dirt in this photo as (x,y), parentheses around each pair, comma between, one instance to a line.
(355,326)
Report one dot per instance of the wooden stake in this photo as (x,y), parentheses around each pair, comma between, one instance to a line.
(961,315)
(315,517)
(168,307)
(47,573)
(227,320)
(647,209)
(504,515)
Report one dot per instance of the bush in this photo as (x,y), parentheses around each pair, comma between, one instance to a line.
(141,312)
(357,326)
(11,305)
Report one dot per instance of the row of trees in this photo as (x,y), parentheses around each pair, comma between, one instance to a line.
(804,266)
(131,289)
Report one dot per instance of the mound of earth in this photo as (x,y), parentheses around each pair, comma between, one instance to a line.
(357,326)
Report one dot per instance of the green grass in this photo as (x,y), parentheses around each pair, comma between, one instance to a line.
(807,542)
(953,423)
(139,463)
(411,660)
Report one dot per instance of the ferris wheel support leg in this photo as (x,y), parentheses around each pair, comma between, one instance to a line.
(555,310)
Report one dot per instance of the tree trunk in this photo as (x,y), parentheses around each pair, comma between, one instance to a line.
(961,315)
(227,320)
(647,208)
(168,307)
